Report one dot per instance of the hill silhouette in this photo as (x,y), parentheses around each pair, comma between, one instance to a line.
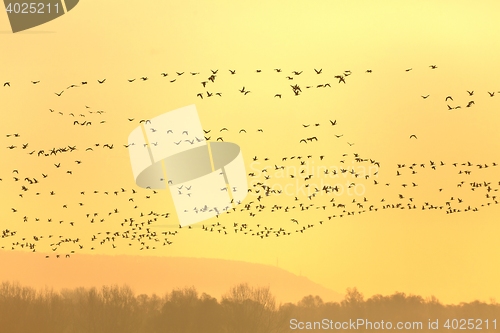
(148,275)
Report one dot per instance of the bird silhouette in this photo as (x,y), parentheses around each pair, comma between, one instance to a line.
(340,77)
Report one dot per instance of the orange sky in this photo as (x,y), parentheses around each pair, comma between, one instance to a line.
(426,252)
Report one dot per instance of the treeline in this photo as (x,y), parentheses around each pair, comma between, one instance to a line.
(411,312)
(242,309)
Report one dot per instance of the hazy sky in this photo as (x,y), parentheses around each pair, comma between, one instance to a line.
(422,251)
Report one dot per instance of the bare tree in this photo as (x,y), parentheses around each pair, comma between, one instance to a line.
(248,309)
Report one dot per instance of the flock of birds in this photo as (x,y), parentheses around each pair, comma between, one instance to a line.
(335,186)
(294,90)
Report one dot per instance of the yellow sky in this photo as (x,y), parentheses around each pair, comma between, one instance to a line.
(426,252)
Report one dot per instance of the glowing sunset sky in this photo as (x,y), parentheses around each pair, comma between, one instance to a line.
(426,251)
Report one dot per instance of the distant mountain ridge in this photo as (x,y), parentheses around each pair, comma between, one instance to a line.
(159,275)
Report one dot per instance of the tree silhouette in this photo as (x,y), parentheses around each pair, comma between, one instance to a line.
(184,311)
(242,309)
(311,302)
(353,298)
(248,309)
